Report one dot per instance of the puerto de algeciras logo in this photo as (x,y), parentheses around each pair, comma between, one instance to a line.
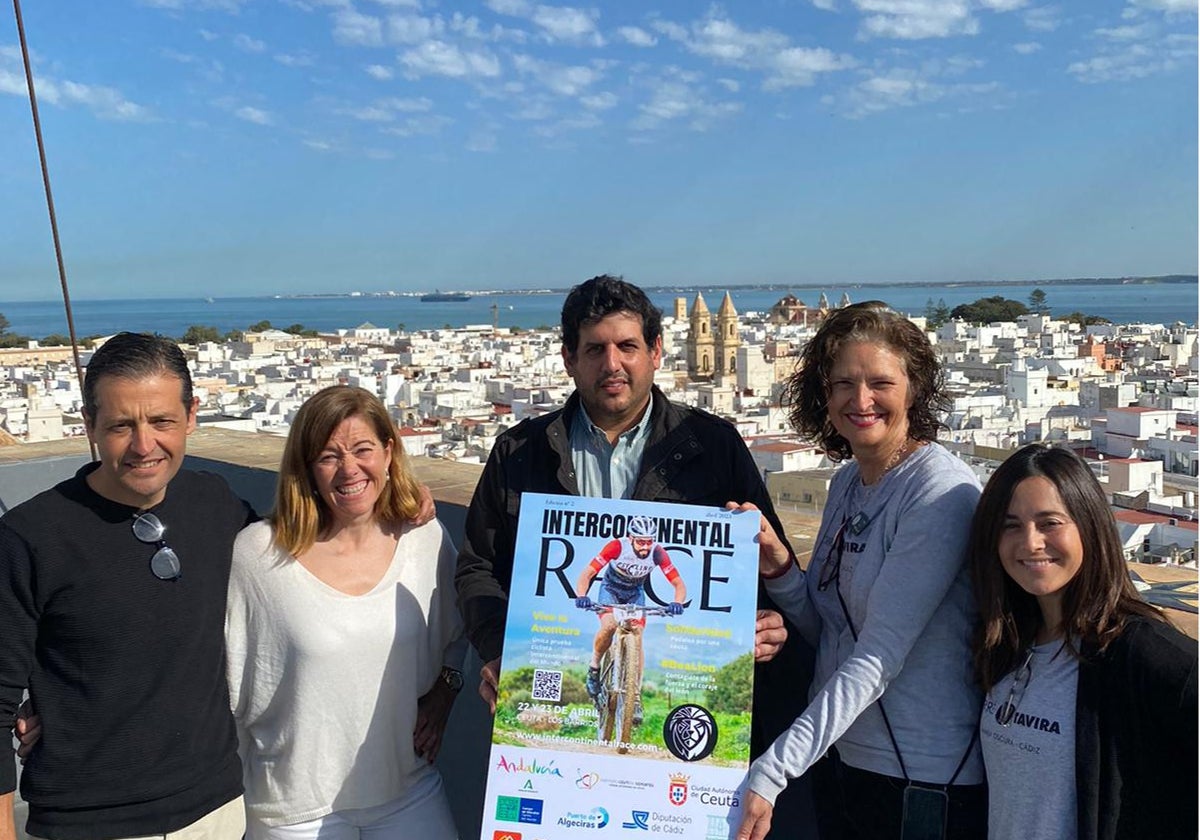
(690,732)
(677,792)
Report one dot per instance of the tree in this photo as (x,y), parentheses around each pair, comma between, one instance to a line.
(1037,302)
(989,310)
(731,692)
(234,335)
(196,334)
(261,326)
(4,325)
(1085,320)
(300,329)
(938,313)
(55,340)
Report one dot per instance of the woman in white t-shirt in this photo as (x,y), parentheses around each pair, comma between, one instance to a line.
(1089,724)
(343,638)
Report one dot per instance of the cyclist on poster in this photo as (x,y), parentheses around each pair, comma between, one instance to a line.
(627,563)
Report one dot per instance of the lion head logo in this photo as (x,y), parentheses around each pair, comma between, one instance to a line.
(690,732)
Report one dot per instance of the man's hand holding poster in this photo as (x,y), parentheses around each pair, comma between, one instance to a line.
(627,674)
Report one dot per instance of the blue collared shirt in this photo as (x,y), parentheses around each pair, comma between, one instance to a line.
(603,469)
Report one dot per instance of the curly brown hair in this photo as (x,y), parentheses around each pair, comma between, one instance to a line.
(806,392)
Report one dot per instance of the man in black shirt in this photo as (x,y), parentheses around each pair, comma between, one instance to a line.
(112,606)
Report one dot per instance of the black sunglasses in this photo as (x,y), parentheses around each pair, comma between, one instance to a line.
(165,563)
(1008,709)
(831,573)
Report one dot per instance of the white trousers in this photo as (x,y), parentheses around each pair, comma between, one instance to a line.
(422,812)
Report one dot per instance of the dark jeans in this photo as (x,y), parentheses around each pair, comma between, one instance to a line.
(868,806)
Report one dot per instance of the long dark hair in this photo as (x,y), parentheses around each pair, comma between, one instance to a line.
(806,392)
(1096,602)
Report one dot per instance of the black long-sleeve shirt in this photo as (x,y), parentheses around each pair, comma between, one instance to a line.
(125,670)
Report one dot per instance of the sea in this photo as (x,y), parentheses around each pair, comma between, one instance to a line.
(1154,303)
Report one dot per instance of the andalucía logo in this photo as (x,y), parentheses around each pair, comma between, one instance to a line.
(531,768)
(640,819)
(678,791)
(690,732)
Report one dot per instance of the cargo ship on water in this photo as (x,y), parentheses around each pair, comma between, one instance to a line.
(445,297)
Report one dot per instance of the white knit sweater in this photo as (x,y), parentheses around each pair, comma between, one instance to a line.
(324,685)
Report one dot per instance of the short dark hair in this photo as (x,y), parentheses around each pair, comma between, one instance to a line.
(129,355)
(590,302)
(1096,602)
(806,392)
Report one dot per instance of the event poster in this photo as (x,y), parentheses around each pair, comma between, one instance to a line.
(656,738)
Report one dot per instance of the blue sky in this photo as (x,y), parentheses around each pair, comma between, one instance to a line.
(263,146)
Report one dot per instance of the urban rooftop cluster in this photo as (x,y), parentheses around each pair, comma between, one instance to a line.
(1123,396)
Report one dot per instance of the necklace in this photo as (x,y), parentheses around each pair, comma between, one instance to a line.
(895,458)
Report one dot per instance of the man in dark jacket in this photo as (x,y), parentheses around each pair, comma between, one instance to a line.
(617,436)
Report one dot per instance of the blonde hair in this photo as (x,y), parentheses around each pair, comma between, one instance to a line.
(300,515)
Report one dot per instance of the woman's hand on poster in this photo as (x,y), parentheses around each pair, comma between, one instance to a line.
(773,556)
(769,635)
(433,710)
(489,683)
(756,817)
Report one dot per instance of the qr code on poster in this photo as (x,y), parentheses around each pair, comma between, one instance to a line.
(547,685)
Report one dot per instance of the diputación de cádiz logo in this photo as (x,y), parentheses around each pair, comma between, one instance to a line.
(690,732)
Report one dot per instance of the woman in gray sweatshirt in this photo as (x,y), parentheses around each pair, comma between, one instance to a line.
(886,599)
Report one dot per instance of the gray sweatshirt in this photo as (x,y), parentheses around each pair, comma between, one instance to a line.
(905,582)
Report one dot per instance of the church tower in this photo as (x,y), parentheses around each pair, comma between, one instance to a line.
(700,343)
(727,339)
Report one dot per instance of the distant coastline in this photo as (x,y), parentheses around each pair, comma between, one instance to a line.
(784,287)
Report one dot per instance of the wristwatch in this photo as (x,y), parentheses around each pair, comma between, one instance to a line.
(452,678)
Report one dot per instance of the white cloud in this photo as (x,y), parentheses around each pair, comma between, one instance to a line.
(398,4)
(413,29)
(425,125)
(295,59)
(351,28)
(438,58)
(247,44)
(1133,32)
(470,27)
(564,80)
(1004,5)
(1042,19)
(319,145)
(766,50)
(731,85)
(900,87)
(568,24)
(378,71)
(675,99)
(1169,6)
(798,66)
(1123,61)
(916,19)
(637,36)
(1027,47)
(516,8)
(599,101)
(105,102)
(253,115)
(419,103)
